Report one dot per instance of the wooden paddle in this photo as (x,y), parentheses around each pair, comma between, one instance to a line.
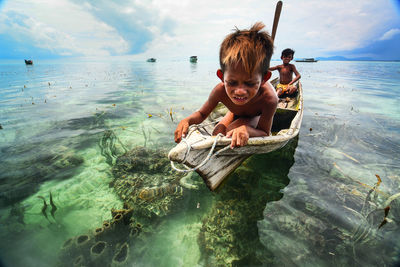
(278,10)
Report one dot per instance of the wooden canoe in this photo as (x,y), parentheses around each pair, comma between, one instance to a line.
(196,147)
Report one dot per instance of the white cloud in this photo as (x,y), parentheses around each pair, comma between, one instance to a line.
(176,29)
(311,27)
(60,27)
(389,34)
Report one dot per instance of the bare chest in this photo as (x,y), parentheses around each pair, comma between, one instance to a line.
(251,109)
(287,71)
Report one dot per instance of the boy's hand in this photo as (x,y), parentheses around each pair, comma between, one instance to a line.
(181,129)
(239,135)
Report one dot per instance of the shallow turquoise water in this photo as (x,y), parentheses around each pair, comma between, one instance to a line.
(309,204)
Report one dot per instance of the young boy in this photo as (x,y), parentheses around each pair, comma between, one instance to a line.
(244,59)
(286,71)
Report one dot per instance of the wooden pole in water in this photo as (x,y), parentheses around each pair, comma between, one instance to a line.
(278,10)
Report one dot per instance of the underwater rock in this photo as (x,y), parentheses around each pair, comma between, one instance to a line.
(142,159)
(104,233)
(229,234)
(99,233)
(83,244)
(125,213)
(79,261)
(135,229)
(100,253)
(143,178)
(121,256)
(102,246)
(118,222)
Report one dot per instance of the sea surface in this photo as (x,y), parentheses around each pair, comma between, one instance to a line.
(80,138)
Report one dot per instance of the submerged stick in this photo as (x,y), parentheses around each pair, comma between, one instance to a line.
(53,206)
(44,208)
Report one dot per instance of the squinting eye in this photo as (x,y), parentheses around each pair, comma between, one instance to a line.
(250,84)
(230,83)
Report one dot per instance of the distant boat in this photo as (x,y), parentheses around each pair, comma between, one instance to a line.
(28,62)
(306,60)
(193,59)
(152,59)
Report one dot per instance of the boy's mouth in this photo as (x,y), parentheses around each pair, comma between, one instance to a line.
(240,98)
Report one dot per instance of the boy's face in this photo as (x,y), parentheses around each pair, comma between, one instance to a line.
(286,59)
(239,85)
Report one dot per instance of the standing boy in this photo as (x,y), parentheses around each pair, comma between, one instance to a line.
(286,70)
(244,59)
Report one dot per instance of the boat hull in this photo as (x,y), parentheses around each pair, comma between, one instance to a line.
(287,122)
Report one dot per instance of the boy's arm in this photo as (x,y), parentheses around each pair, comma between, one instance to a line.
(298,76)
(241,134)
(265,123)
(273,68)
(199,115)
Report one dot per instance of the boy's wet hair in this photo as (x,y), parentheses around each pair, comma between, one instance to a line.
(287,52)
(252,48)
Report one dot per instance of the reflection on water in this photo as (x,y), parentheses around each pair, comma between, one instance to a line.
(193,66)
(93,135)
(331,213)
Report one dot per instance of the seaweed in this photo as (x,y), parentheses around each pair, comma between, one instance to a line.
(111,147)
(53,206)
(44,208)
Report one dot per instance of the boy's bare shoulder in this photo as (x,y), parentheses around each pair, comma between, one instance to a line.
(219,87)
(219,90)
(269,95)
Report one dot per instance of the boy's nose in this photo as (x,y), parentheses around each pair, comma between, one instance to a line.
(240,90)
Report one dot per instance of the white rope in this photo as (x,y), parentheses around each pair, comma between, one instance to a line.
(205,160)
(190,131)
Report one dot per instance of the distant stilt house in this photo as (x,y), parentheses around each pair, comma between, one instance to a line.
(28,62)
(193,59)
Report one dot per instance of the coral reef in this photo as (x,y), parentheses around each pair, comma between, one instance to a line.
(149,189)
(107,245)
(144,179)
(229,234)
(121,256)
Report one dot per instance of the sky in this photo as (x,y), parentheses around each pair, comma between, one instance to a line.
(178,29)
